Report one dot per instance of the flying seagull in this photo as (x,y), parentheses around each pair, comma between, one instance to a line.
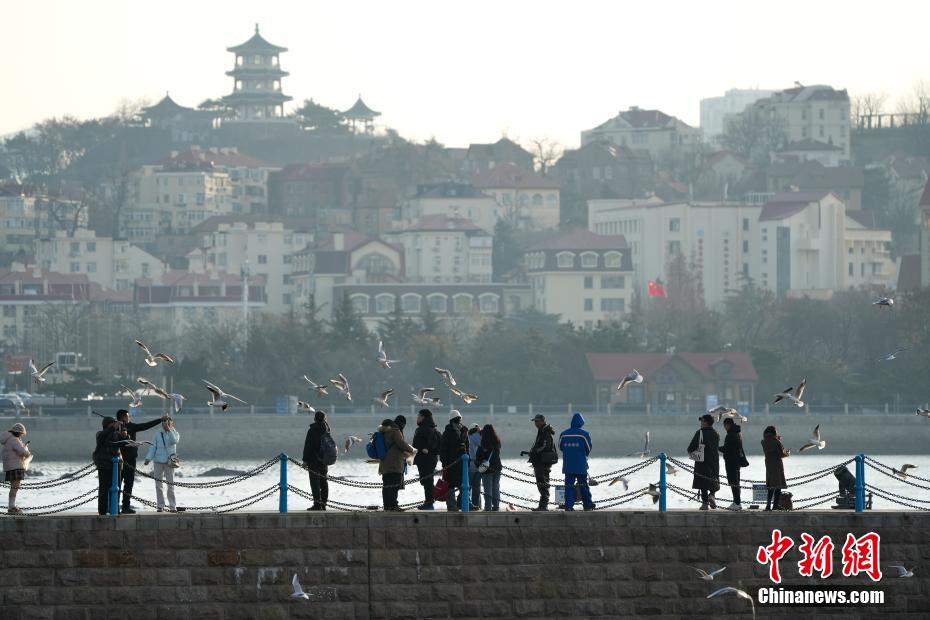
(670,469)
(446,376)
(178,401)
(132,443)
(798,394)
(350,441)
(631,377)
(39,375)
(902,473)
(220,398)
(383,360)
(321,390)
(644,452)
(383,399)
(893,355)
(422,397)
(654,493)
(739,593)
(298,591)
(152,360)
(160,392)
(342,384)
(886,302)
(902,572)
(135,395)
(814,442)
(626,483)
(923,412)
(302,406)
(465,396)
(723,411)
(709,576)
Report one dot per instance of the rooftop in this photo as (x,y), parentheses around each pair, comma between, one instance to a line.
(511,176)
(360,111)
(786,204)
(581,239)
(256,45)
(440,222)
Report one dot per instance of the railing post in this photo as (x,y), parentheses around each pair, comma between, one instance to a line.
(531,408)
(860,482)
(114,488)
(662,487)
(466,496)
(282,488)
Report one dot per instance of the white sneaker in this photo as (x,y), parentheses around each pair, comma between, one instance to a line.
(735,506)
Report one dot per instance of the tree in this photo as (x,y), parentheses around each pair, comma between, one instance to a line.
(347,327)
(318,118)
(508,253)
(546,152)
(866,105)
(754,134)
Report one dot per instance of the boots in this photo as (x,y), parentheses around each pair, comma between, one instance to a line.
(543,507)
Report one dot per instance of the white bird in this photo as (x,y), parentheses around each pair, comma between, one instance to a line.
(383,360)
(814,442)
(465,396)
(654,493)
(321,390)
(631,377)
(39,375)
(739,593)
(795,397)
(626,483)
(727,412)
(342,384)
(923,412)
(160,392)
(670,470)
(886,302)
(219,397)
(902,473)
(446,376)
(350,441)
(422,397)
(177,401)
(135,395)
(709,576)
(298,591)
(133,443)
(644,452)
(902,572)
(383,399)
(302,406)
(152,360)
(893,355)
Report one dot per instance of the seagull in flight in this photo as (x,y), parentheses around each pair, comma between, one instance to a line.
(884,302)
(219,397)
(644,452)
(321,390)
(177,401)
(670,469)
(796,397)
(465,396)
(342,384)
(902,473)
(152,360)
(422,397)
(814,442)
(727,412)
(626,483)
(893,355)
(709,576)
(298,591)
(923,412)
(350,441)
(39,375)
(631,377)
(160,392)
(654,493)
(739,593)
(135,395)
(383,399)
(383,360)
(133,443)
(446,376)
(902,572)
(303,406)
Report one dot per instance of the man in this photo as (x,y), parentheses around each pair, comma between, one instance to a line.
(733,459)
(474,478)
(391,468)
(426,441)
(319,485)
(107,448)
(454,445)
(543,456)
(575,444)
(131,453)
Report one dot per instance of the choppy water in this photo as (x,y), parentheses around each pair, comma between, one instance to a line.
(354,468)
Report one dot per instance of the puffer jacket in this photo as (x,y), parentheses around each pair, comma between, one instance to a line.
(166,443)
(396,450)
(12,451)
(575,444)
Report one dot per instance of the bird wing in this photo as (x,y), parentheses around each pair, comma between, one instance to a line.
(217,392)
(907,466)
(162,393)
(296,584)
(637,377)
(145,382)
(310,381)
(236,398)
(32,367)
(46,367)
(345,381)
(380,346)
(424,391)
(702,572)
(901,570)
(816,434)
(386,393)
(807,446)
(721,591)
(164,356)
(799,394)
(456,391)
(144,348)
(718,571)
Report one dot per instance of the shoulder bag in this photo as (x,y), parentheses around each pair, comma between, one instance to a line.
(174,461)
(698,454)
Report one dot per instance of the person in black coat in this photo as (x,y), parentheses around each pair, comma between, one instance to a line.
(706,472)
(106,449)
(319,486)
(454,445)
(131,453)
(426,441)
(543,450)
(733,459)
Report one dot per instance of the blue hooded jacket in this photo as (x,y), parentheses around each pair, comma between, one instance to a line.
(575,444)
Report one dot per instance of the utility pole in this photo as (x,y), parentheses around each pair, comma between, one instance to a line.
(244,272)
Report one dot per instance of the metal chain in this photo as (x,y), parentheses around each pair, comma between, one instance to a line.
(260,495)
(895,501)
(898,478)
(55,505)
(897,495)
(48,512)
(365,484)
(210,485)
(48,484)
(914,476)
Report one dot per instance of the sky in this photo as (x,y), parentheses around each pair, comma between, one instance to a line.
(461,72)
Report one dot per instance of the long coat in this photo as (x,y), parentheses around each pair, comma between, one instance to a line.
(454,441)
(774,467)
(707,473)
(396,450)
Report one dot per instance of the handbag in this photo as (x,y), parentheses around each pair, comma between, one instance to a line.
(549,457)
(743,462)
(441,490)
(486,463)
(174,461)
(698,454)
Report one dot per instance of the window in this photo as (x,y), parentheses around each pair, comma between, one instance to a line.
(613,304)
(821,131)
(488,303)
(589,260)
(674,225)
(589,282)
(862,269)
(524,200)
(674,248)
(537,200)
(437,303)
(566,260)
(820,113)
(9,311)
(850,251)
(640,138)
(745,270)
(745,247)
(262,259)
(91,267)
(360,303)
(385,303)
(588,304)
(75,267)
(145,270)
(613,281)
(745,223)
(804,114)
(613,260)
(595,173)
(91,246)
(462,303)
(608,172)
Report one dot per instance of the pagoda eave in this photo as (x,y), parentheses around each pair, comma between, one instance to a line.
(245,73)
(272,98)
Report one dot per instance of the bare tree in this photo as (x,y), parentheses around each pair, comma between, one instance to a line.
(916,104)
(754,134)
(546,152)
(866,105)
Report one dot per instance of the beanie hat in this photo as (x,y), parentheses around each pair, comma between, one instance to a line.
(18,428)
(454,415)
(426,413)
(400,421)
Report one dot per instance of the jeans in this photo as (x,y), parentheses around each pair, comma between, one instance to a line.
(582,481)
(426,472)
(491,482)
(164,471)
(319,484)
(474,486)
(733,479)
(542,483)
(129,478)
(105,480)
(392,484)
(774,499)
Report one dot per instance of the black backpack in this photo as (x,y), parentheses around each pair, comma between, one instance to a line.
(329,452)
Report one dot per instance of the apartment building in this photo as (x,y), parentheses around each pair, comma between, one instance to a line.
(443,249)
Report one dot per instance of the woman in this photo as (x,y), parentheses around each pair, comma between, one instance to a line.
(164,446)
(474,478)
(394,463)
(488,458)
(774,468)
(426,440)
(707,471)
(733,459)
(14,453)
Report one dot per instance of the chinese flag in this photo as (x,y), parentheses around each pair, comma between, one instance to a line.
(656,289)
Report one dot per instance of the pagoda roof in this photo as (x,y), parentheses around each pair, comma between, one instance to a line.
(245,72)
(360,111)
(255,45)
(166,107)
(256,97)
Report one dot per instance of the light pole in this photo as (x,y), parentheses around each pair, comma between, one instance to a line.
(244,273)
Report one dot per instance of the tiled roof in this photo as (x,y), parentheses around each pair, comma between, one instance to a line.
(511,176)
(257,44)
(440,222)
(787,204)
(865,218)
(612,366)
(360,111)
(166,107)
(581,239)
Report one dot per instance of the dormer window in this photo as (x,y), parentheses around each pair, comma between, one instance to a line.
(613,260)
(565,260)
(589,260)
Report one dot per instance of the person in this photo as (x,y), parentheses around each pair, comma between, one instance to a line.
(165,445)
(489,451)
(131,453)
(454,441)
(105,451)
(426,441)
(575,444)
(474,478)
(707,471)
(733,459)
(774,467)
(13,453)
(319,471)
(392,466)
(542,456)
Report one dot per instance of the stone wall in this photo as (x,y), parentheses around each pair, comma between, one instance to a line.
(377,565)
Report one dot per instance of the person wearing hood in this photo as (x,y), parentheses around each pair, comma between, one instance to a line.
(14,453)
(490,467)
(131,454)
(733,459)
(319,485)
(707,471)
(575,444)
(105,451)
(543,456)
(426,441)
(392,466)
(774,467)
(454,445)
(474,478)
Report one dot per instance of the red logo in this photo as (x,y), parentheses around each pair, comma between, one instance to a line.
(817,556)
(860,555)
(773,553)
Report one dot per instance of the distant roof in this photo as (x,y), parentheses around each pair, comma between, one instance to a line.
(511,176)
(714,158)
(360,111)
(350,241)
(907,165)
(809,145)
(786,204)
(620,153)
(220,156)
(496,149)
(256,44)
(865,218)
(814,92)
(812,175)
(581,239)
(212,224)
(313,172)
(909,273)
(448,189)
(612,366)
(166,107)
(440,222)
(638,118)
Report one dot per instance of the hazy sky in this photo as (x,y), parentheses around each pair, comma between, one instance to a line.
(460,71)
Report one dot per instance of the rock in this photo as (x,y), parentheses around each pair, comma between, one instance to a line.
(221,472)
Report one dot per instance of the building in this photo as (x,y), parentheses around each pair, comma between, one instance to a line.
(715,110)
(29,295)
(676,382)
(248,176)
(868,253)
(528,199)
(583,277)
(443,249)
(453,200)
(826,154)
(318,194)
(360,117)
(484,157)
(184,124)
(602,169)
(846,182)
(720,175)
(257,76)
(25,217)
(652,130)
(113,264)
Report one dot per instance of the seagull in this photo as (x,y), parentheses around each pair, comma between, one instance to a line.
(739,593)
(152,360)
(39,375)
(902,572)
(319,389)
(510,508)
(446,376)
(160,392)
(644,452)
(709,576)
(670,469)
(923,412)
(631,377)
(219,397)
(302,406)
(178,400)
(893,355)
(626,483)
(468,398)
(350,441)
(903,471)
(886,302)
(298,591)
(814,442)
(133,443)
(383,399)
(727,412)
(383,360)
(786,394)
(135,395)
(422,397)
(342,384)
(654,493)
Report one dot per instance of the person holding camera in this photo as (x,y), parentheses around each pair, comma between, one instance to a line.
(107,448)
(131,453)
(164,453)
(543,456)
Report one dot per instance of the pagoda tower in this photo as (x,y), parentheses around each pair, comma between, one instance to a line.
(257,77)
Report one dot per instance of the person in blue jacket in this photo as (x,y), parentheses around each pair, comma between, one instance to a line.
(575,444)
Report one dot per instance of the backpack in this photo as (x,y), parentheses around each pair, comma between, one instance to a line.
(328,450)
(375,447)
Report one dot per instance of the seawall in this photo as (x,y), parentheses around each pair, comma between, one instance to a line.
(477,565)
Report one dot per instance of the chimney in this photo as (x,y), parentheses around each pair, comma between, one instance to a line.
(339,241)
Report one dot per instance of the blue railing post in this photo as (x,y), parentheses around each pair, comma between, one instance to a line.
(662,482)
(860,482)
(466,500)
(114,488)
(282,488)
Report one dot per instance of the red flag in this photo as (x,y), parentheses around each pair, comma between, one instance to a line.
(656,289)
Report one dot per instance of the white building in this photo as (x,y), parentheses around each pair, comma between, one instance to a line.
(652,130)
(715,110)
(25,217)
(442,249)
(868,253)
(248,176)
(528,199)
(454,200)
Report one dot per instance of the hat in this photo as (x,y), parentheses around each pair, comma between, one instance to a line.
(400,421)
(455,415)
(539,416)
(107,421)
(18,428)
